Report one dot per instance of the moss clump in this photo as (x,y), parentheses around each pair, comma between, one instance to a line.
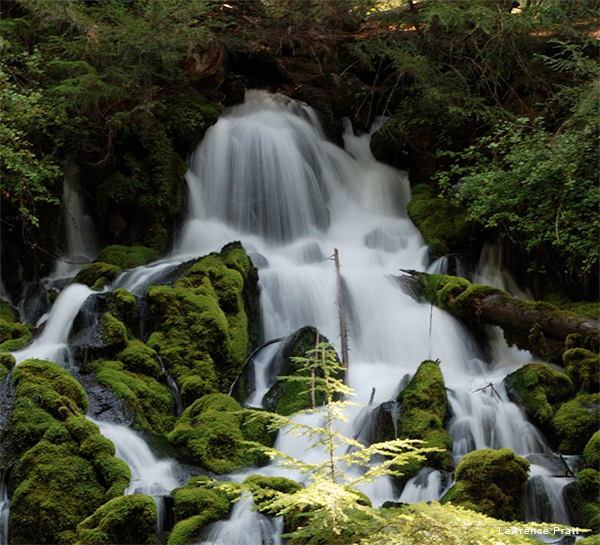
(289,397)
(139,358)
(123,520)
(6,313)
(123,305)
(587,508)
(114,332)
(576,421)
(13,336)
(264,489)
(197,503)
(97,275)
(591,452)
(151,401)
(424,411)
(583,367)
(66,468)
(591,540)
(490,482)
(200,326)
(127,257)
(444,227)
(538,389)
(7,362)
(212,429)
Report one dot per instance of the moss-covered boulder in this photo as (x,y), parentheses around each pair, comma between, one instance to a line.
(212,429)
(288,397)
(7,362)
(123,305)
(13,335)
(127,257)
(576,421)
(264,489)
(591,452)
(424,411)
(97,275)
(490,482)
(152,402)
(66,469)
(124,520)
(583,499)
(200,326)
(583,367)
(444,226)
(197,503)
(538,390)
(113,331)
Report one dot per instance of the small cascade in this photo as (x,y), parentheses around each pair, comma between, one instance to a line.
(149,475)
(173,387)
(491,271)
(262,384)
(52,345)
(245,526)
(4,512)
(427,485)
(81,244)
(543,496)
(450,264)
(137,280)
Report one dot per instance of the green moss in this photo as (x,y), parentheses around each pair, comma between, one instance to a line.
(127,257)
(139,358)
(97,275)
(197,503)
(212,430)
(114,332)
(7,362)
(6,313)
(123,520)
(583,366)
(151,401)
(576,421)
(444,227)
(589,479)
(591,452)
(491,482)
(13,335)
(200,326)
(424,411)
(591,540)
(264,489)
(66,468)
(538,389)
(123,305)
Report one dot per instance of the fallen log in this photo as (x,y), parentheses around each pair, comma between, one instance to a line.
(537,326)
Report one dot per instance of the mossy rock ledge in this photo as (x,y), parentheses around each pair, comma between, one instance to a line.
(491,482)
(65,469)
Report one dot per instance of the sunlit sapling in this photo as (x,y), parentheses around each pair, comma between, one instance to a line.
(331,509)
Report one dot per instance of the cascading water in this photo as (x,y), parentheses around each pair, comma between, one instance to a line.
(149,475)
(81,244)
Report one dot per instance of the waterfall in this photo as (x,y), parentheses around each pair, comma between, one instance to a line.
(149,475)
(4,512)
(81,243)
(245,526)
(52,345)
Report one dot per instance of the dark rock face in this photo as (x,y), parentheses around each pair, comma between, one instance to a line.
(103,403)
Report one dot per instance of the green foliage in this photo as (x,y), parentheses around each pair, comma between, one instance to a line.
(491,482)
(443,225)
(583,366)
(576,421)
(538,389)
(66,468)
(127,257)
(424,412)
(591,452)
(126,519)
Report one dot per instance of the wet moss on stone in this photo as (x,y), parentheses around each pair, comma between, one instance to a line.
(114,332)
(13,335)
(491,482)
(127,257)
(7,362)
(538,390)
(591,452)
(7,313)
(123,305)
(444,226)
(583,367)
(212,429)
(124,520)
(424,412)
(97,275)
(576,421)
(198,503)
(66,468)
